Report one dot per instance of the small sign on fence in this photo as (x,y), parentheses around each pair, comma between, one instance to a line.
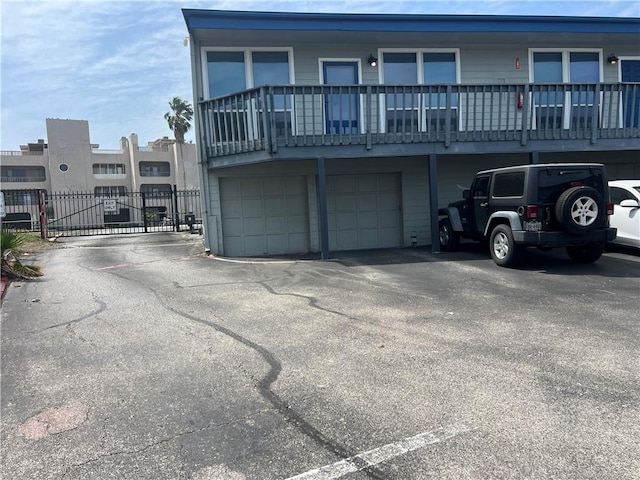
(110,205)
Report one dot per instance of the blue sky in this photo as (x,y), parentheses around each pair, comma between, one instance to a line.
(118,63)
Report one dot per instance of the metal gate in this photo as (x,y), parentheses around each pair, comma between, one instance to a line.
(87,213)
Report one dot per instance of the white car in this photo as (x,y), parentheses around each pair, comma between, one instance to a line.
(625,196)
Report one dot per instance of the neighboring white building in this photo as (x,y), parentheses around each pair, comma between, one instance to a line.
(69,162)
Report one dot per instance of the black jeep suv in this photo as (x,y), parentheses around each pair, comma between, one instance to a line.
(542,205)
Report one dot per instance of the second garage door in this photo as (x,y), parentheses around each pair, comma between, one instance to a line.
(364,211)
(264,216)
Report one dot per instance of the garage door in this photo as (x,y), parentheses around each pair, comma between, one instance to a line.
(364,211)
(264,216)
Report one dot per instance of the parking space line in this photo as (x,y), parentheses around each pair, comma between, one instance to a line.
(382,454)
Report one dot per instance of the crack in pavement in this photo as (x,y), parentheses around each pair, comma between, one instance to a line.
(264,385)
(264,388)
(313,302)
(102,307)
(146,447)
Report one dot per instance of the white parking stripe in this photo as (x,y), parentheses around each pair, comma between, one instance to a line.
(382,454)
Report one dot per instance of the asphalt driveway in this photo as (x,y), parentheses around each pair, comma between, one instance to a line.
(139,357)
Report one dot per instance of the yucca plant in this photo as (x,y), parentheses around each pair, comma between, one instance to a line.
(12,267)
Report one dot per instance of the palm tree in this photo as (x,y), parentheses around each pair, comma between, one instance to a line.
(10,244)
(179,118)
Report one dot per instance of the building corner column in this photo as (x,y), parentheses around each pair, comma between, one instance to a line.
(433,202)
(322,207)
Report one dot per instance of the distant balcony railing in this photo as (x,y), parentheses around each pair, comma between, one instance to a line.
(271,117)
(23,179)
(105,151)
(21,153)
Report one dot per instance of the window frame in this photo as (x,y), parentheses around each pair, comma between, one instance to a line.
(566,78)
(248,64)
(422,109)
(254,109)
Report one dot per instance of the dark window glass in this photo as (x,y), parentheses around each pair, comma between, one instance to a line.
(400,68)
(270,68)
(620,194)
(439,67)
(584,67)
(553,181)
(480,187)
(226,73)
(508,184)
(547,67)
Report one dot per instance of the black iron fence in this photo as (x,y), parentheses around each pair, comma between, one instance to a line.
(88,213)
(270,117)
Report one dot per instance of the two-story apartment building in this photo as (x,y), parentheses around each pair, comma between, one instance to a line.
(69,162)
(321,132)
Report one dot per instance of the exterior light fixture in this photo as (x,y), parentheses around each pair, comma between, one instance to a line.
(612,59)
(373,61)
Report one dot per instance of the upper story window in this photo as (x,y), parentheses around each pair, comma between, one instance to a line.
(226,73)
(22,197)
(22,174)
(232,71)
(111,191)
(108,169)
(566,66)
(155,169)
(160,190)
(560,106)
(407,110)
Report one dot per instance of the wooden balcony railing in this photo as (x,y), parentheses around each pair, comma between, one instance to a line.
(272,117)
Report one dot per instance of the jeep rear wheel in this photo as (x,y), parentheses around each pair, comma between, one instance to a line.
(580,210)
(449,239)
(504,250)
(588,253)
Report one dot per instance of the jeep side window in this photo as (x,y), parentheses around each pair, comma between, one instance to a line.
(480,187)
(508,184)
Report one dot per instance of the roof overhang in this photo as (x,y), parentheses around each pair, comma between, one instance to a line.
(330,22)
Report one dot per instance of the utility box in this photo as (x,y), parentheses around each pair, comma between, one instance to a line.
(190,220)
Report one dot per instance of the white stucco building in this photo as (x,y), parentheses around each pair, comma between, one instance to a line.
(68,162)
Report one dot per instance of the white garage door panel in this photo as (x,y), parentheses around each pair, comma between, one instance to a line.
(364,211)
(264,215)
(232,227)
(253,226)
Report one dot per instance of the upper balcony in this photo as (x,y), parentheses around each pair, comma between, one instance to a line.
(342,121)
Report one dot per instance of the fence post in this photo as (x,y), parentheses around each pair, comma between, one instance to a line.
(175,209)
(43,215)
(144,212)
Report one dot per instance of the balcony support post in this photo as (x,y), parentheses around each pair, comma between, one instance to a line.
(322,208)
(526,106)
(534,158)
(433,202)
(368,117)
(595,127)
(447,119)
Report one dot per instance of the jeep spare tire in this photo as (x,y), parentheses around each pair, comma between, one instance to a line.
(580,210)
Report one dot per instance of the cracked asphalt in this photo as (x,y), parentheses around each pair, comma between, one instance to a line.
(138,357)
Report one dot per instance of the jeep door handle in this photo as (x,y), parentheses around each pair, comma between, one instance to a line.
(484,204)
